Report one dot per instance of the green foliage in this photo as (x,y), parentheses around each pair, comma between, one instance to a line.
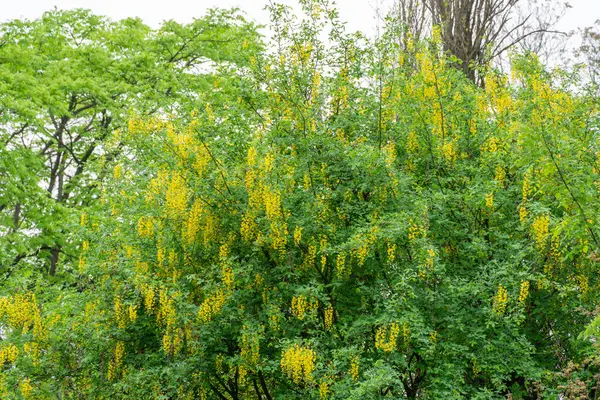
(69,83)
(334,218)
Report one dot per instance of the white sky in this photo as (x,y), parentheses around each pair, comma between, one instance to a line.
(358,13)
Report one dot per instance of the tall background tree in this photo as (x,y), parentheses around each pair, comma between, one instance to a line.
(478,32)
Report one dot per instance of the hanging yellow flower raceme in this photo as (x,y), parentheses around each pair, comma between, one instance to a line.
(500,175)
(23,312)
(120,313)
(176,197)
(523,292)
(145,227)
(540,230)
(114,365)
(500,300)
(340,264)
(8,354)
(193,223)
(297,235)
(354,367)
(489,200)
(250,348)
(300,306)
(298,363)
(211,306)
(386,338)
(25,388)
(323,389)
(328,317)
(117,171)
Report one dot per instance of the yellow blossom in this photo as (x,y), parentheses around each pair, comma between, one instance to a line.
(523,292)
(489,200)
(298,363)
(385,340)
(500,300)
(540,230)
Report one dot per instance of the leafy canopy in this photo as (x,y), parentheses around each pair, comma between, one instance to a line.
(346,221)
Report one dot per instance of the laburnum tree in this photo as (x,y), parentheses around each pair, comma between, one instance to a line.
(69,82)
(341,225)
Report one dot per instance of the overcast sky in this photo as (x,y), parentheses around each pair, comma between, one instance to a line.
(358,13)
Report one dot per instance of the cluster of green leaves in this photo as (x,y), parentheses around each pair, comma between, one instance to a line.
(69,81)
(334,218)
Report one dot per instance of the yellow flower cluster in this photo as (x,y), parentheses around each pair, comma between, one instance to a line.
(415,232)
(500,98)
(132,313)
(323,389)
(354,367)
(176,197)
(523,292)
(500,300)
(33,350)
(405,333)
(157,185)
(145,227)
(300,306)
(22,312)
(391,252)
(298,363)
(210,115)
(166,315)
(412,143)
(297,235)
(500,175)
(211,306)
(522,213)
(249,227)
(81,264)
(274,320)
(526,190)
(148,294)
(172,341)
(340,264)
(583,283)
(8,354)
(316,83)
(433,336)
(117,171)
(161,254)
(430,260)
(361,253)
(25,388)
(489,200)
(328,317)
(201,160)
(274,213)
(491,145)
(389,150)
(120,313)
(311,255)
(250,348)
(227,276)
(385,340)
(134,125)
(540,230)
(450,151)
(114,365)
